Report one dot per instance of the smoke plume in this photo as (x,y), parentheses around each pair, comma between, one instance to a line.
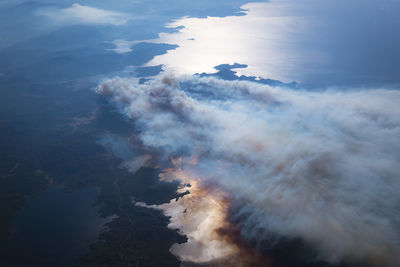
(269,162)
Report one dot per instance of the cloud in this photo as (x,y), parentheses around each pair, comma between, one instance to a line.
(321,166)
(78,14)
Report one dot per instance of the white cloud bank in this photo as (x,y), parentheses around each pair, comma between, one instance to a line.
(320,166)
(78,14)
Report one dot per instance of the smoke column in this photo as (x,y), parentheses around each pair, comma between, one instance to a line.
(271,162)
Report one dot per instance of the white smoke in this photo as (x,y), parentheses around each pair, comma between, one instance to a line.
(320,166)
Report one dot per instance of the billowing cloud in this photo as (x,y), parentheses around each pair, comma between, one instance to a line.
(78,14)
(270,162)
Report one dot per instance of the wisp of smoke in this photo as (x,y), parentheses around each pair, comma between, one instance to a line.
(319,166)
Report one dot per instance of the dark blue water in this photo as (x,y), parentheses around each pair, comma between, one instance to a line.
(53,229)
